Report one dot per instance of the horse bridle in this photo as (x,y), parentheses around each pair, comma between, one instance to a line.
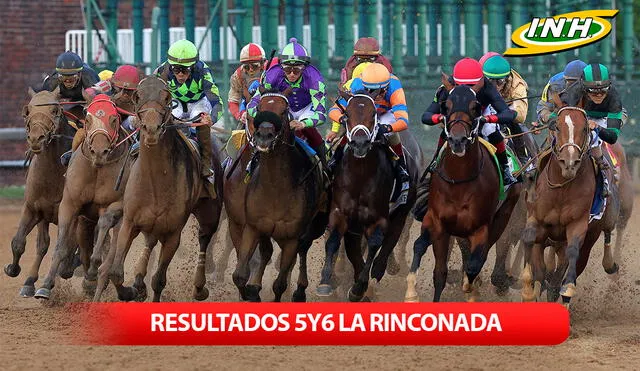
(473,134)
(581,149)
(371,134)
(164,113)
(286,117)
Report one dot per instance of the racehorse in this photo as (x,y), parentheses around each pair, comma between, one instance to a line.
(89,190)
(564,192)
(163,189)
(49,135)
(362,187)
(463,196)
(282,200)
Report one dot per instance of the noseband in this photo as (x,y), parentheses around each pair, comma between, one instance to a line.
(371,134)
(581,149)
(285,117)
(48,129)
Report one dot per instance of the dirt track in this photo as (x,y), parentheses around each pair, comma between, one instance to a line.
(605,315)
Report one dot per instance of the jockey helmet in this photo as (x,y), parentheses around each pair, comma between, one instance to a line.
(183,52)
(487,56)
(105,75)
(294,53)
(467,72)
(252,53)
(375,76)
(573,69)
(126,77)
(595,76)
(69,63)
(366,46)
(496,67)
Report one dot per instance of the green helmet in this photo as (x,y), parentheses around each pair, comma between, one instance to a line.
(496,67)
(294,53)
(183,53)
(595,76)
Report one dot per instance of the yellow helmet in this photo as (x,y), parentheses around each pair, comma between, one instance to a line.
(375,76)
(105,75)
(360,68)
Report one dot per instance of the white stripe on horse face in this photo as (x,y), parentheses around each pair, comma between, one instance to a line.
(569,123)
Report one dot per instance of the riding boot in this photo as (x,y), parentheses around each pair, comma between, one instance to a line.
(401,174)
(65,158)
(433,163)
(335,160)
(507,177)
(603,166)
(204,138)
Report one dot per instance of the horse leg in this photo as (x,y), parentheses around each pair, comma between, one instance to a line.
(608,263)
(223,261)
(29,289)
(249,241)
(331,248)
(168,250)
(126,235)
(211,265)
(28,220)
(254,285)
(397,261)
(516,267)
(375,237)
(479,251)
(420,247)
(576,232)
(287,260)
(554,280)
(84,235)
(303,280)
(65,246)
(440,253)
(107,261)
(352,247)
(107,220)
(141,268)
(207,213)
(499,278)
(531,235)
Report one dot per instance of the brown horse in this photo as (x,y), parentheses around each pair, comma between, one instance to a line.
(282,200)
(564,191)
(49,135)
(463,198)
(163,189)
(89,190)
(362,187)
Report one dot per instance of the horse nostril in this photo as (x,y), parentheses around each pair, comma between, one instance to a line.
(93,152)
(40,138)
(105,152)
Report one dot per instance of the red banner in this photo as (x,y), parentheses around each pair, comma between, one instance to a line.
(320,323)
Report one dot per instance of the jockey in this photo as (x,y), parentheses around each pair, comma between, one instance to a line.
(120,87)
(307,102)
(513,89)
(366,49)
(557,84)
(487,56)
(105,75)
(602,104)
(391,107)
(468,71)
(191,84)
(72,76)
(252,64)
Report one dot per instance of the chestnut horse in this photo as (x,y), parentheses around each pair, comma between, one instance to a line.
(49,135)
(89,189)
(463,197)
(282,200)
(163,189)
(560,211)
(362,187)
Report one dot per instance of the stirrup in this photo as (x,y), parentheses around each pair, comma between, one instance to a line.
(65,158)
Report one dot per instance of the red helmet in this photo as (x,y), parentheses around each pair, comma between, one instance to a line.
(467,72)
(126,77)
(487,56)
(252,53)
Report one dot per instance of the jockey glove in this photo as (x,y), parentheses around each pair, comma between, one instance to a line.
(384,128)
(437,118)
(489,118)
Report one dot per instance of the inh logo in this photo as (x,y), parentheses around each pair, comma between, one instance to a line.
(561,32)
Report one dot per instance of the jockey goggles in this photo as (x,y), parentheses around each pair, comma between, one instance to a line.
(251,66)
(598,91)
(176,69)
(293,68)
(366,58)
(501,81)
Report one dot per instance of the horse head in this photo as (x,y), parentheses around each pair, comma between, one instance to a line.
(361,123)
(101,123)
(570,138)
(152,102)
(463,109)
(271,123)
(42,117)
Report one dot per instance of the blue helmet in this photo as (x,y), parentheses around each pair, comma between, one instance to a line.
(573,69)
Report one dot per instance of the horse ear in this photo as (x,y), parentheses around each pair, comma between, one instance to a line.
(287,91)
(479,85)
(25,111)
(445,81)
(31,92)
(261,89)
(56,92)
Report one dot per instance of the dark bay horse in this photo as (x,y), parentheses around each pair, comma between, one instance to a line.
(163,189)
(560,211)
(463,198)
(48,135)
(362,187)
(282,200)
(89,190)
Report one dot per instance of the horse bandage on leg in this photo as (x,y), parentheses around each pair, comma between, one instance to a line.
(78,138)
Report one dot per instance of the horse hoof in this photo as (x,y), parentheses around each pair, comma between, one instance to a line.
(27,291)
(324,290)
(89,286)
(127,293)
(142,293)
(502,290)
(354,297)
(613,270)
(454,277)
(12,270)
(553,293)
(66,273)
(514,283)
(299,296)
(393,268)
(252,293)
(568,290)
(412,299)
(366,299)
(43,293)
(201,295)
